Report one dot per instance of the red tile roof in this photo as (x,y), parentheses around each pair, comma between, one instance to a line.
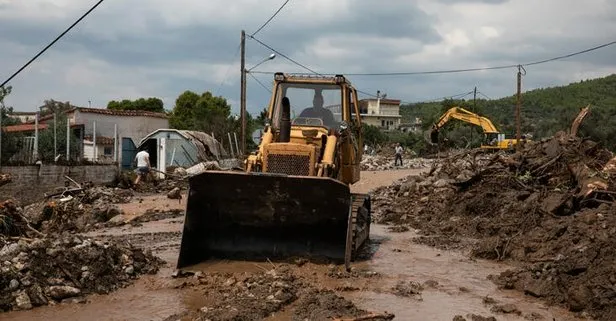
(120,112)
(28,127)
(22,128)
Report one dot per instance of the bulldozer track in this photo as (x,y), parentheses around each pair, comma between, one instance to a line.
(359,225)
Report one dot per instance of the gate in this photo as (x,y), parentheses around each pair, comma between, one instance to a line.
(129,151)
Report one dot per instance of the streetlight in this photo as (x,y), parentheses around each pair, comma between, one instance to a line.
(243,91)
(272,56)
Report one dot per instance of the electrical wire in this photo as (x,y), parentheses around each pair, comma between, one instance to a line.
(484,95)
(270,19)
(52,43)
(283,55)
(260,83)
(449,71)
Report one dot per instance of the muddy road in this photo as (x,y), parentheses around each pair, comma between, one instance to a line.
(412,281)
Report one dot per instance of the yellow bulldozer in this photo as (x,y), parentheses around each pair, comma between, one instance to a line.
(493,139)
(292,198)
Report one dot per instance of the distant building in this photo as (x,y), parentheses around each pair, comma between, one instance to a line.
(23,116)
(382,113)
(413,127)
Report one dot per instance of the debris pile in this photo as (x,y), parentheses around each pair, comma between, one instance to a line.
(37,272)
(5,179)
(381,162)
(258,296)
(551,206)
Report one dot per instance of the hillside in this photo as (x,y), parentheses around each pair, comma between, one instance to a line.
(544,111)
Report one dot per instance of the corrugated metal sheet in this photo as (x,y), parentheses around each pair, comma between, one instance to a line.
(208,148)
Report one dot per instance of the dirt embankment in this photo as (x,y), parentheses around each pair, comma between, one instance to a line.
(550,207)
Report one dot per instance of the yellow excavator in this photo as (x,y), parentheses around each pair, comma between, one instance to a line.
(493,139)
(292,198)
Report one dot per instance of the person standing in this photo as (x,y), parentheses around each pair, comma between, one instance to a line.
(143,165)
(398,154)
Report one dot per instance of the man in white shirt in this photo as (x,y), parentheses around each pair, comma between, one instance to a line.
(143,165)
(398,155)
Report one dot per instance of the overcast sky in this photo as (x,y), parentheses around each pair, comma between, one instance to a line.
(141,48)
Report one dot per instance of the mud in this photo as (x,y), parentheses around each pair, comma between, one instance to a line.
(256,296)
(549,207)
(451,283)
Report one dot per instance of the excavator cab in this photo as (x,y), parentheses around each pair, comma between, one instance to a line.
(293,197)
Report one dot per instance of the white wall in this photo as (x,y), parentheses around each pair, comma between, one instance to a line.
(134,127)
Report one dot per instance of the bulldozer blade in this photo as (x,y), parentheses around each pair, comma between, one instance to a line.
(257,216)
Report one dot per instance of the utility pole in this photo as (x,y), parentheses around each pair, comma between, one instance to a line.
(517,107)
(243,90)
(474,109)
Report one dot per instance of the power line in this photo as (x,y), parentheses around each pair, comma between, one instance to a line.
(283,55)
(52,43)
(448,71)
(260,83)
(270,19)
(484,95)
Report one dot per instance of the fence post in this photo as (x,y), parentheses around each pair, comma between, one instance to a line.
(68,140)
(36,123)
(115,142)
(237,148)
(231,145)
(55,135)
(94,152)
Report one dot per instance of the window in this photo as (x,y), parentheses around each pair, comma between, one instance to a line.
(311,105)
(382,123)
(108,151)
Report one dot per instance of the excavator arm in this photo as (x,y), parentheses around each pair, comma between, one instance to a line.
(463,115)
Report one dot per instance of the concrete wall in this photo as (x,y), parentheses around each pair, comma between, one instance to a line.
(28,184)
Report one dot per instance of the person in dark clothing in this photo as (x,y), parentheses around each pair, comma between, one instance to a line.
(317,111)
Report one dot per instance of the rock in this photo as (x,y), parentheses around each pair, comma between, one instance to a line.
(36,295)
(10,249)
(13,285)
(22,301)
(175,194)
(442,183)
(459,318)
(506,309)
(129,270)
(59,292)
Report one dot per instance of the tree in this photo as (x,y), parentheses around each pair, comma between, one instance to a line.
(152,104)
(46,140)
(209,114)
(51,106)
(11,143)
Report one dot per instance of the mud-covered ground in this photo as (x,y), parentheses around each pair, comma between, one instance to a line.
(396,278)
(548,209)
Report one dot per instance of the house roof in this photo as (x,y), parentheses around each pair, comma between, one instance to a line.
(22,128)
(384,101)
(119,112)
(27,127)
(112,112)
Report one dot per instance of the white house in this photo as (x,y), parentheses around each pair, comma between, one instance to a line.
(383,113)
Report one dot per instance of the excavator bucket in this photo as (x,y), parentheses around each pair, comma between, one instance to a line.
(239,215)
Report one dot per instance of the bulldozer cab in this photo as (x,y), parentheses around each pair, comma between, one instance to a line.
(293,196)
(316,118)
